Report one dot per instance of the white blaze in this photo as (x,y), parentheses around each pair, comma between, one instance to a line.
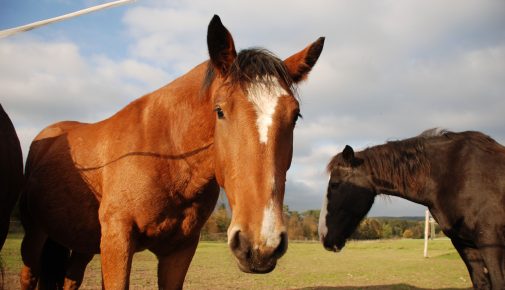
(323,229)
(264,98)
(264,95)
(269,235)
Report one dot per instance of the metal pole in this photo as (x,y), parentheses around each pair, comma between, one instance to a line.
(426,232)
(27,27)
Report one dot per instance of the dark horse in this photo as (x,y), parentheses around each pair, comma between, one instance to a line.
(11,172)
(149,176)
(460,177)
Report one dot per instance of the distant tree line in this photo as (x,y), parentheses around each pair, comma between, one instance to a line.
(304,226)
(392,228)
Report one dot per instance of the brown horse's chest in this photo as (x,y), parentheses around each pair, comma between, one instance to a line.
(179,219)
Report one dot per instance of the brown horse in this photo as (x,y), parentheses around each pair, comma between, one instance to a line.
(149,176)
(458,176)
(11,172)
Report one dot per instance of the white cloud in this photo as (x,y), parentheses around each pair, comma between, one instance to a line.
(174,38)
(45,82)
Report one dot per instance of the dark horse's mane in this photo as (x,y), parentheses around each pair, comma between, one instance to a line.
(404,162)
(253,66)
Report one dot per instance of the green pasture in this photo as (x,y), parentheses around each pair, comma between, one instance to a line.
(382,264)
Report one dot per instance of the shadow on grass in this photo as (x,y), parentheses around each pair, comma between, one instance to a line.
(378,287)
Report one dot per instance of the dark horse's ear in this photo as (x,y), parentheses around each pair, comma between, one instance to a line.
(300,64)
(221,46)
(348,154)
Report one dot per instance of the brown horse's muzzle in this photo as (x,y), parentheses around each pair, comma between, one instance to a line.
(257,259)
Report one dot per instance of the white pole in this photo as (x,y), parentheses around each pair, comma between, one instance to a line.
(11,31)
(432,228)
(426,232)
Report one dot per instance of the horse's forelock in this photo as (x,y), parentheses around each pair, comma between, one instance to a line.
(256,66)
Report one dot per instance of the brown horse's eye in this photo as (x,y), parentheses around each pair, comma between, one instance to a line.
(219,112)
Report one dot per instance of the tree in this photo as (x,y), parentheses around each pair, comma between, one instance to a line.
(216,226)
(371,229)
(418,230)
(368,229)
(309,225)
(295,229)
(387,231)
(222,219)
(408,234)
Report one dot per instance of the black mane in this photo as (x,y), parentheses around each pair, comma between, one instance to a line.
(404,162)
(252,66)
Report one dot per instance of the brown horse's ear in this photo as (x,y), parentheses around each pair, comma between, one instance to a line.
(300,64)
(221,46)
(348,154)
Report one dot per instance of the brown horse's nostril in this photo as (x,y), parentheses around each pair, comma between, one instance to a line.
(282,247)
(235,241)
(240,246)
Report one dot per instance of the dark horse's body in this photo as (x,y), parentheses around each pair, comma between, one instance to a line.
(11,172)
(458,176)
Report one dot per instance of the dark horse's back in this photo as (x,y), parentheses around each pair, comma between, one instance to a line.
(11,172)
(471,179)
(481,161)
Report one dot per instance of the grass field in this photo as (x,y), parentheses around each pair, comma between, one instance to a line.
(390,264)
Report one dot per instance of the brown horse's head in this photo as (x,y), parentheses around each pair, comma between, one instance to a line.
(256,112)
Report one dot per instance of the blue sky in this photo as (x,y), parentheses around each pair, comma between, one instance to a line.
(92,33)
(389,69)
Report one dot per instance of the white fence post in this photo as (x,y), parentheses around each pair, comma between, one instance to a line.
(426,232)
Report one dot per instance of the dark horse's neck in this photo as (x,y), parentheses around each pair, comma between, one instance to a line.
(400,168)
(420,167)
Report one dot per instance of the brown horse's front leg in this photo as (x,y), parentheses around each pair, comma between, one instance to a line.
(172,268)
(116,250)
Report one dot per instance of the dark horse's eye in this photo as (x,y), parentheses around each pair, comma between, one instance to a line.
(220,113)
(298,115)
(334,185)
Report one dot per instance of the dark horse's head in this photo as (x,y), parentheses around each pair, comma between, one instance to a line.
(349,197)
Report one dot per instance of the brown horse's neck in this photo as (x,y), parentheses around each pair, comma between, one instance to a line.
(174,123)
(401,171)
(182,113)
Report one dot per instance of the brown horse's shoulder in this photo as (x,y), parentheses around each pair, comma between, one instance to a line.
(57,129)
(45,142)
